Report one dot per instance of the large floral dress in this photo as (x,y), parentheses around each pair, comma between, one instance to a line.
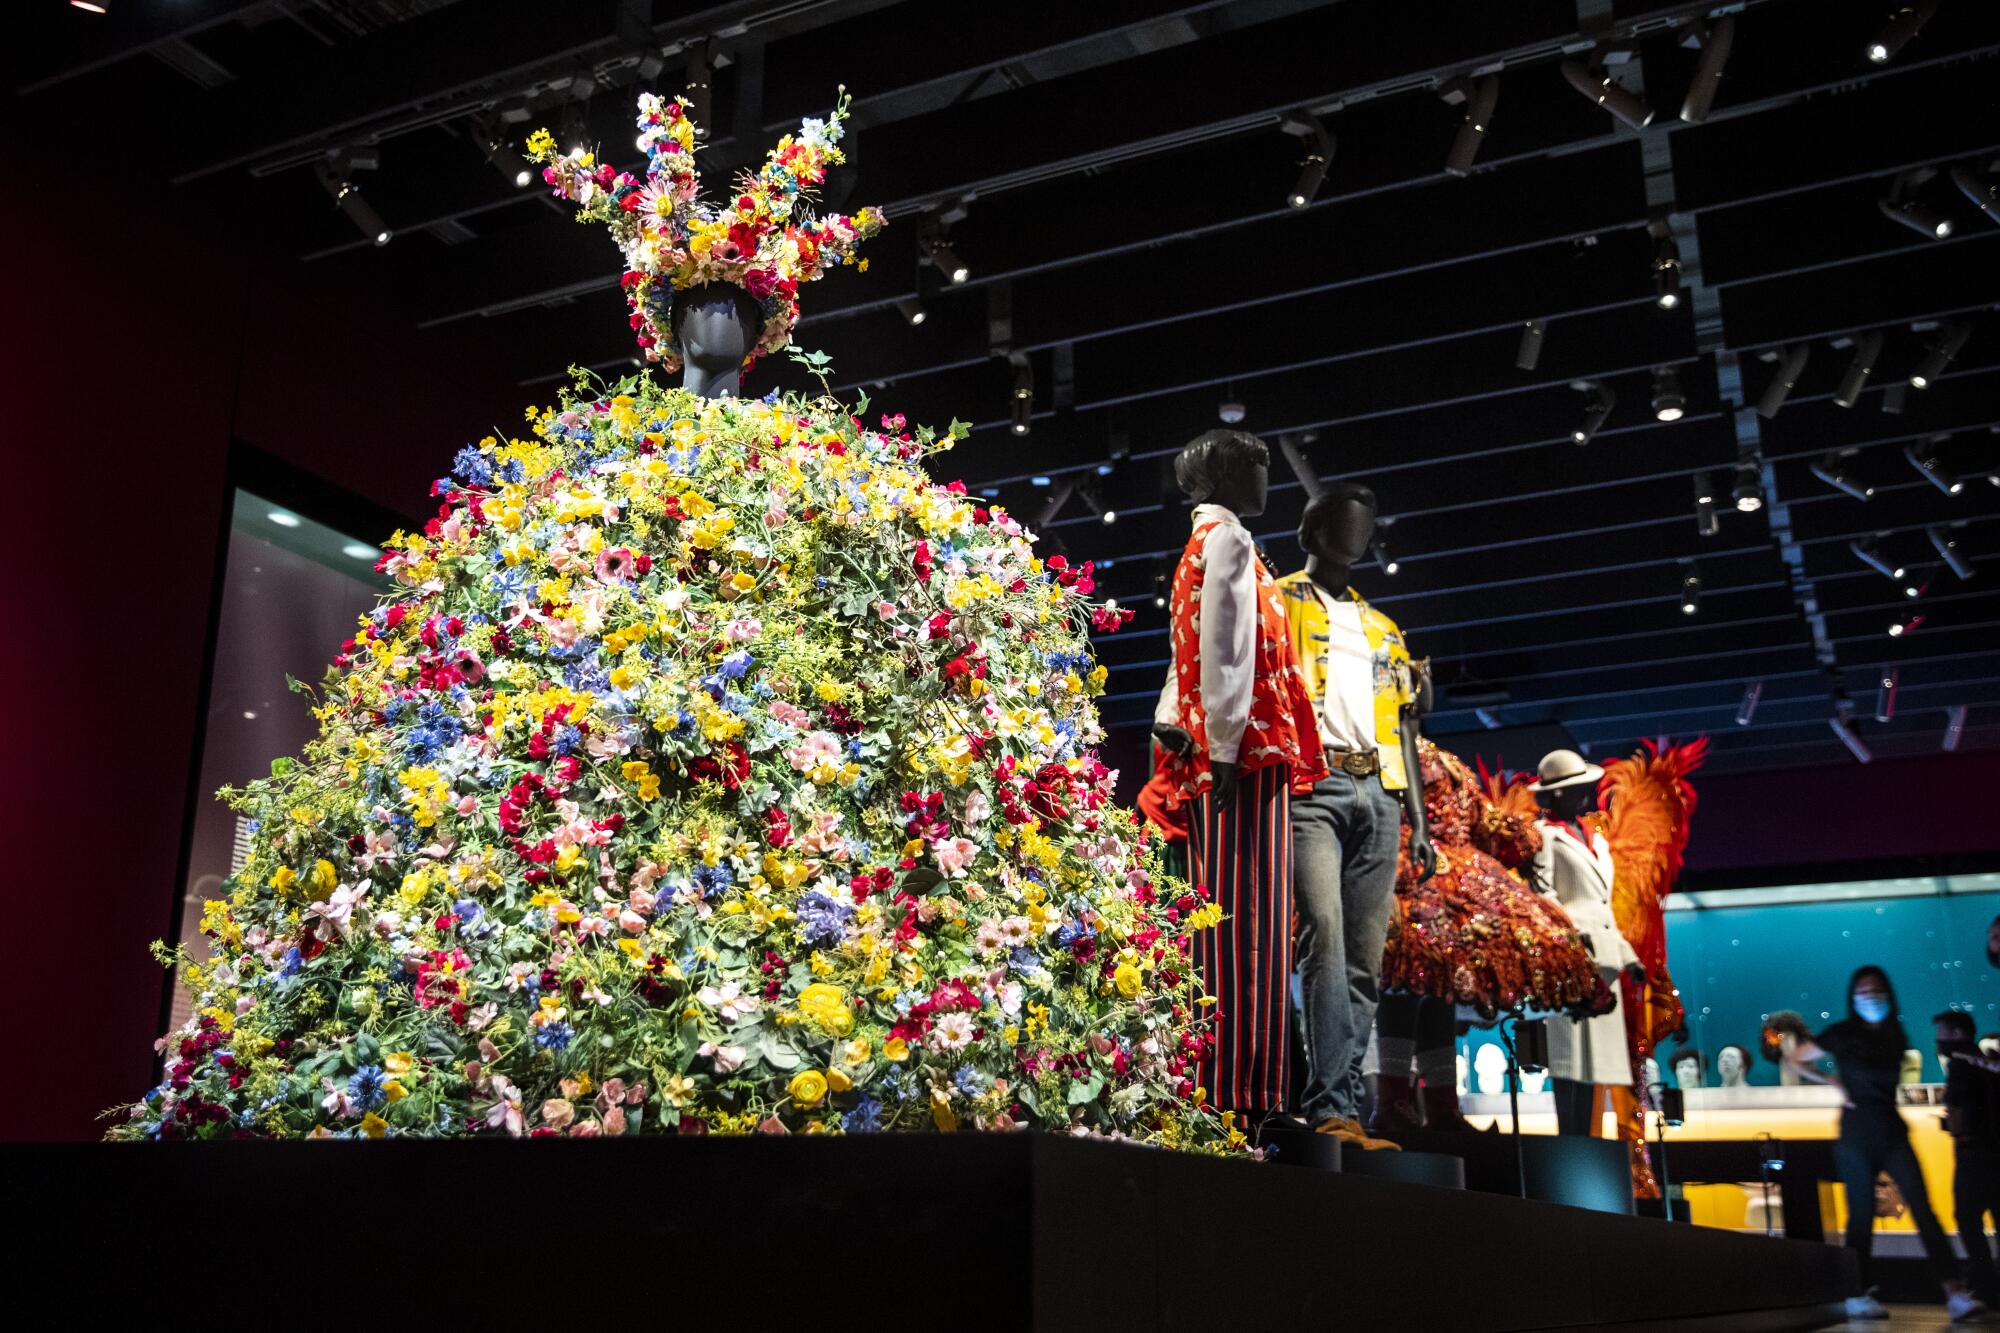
(1475,933)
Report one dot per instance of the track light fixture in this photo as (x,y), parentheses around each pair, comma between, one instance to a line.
(1867,348)
(700,84)
(942,257)
(1923,457)
(1160,591)
(1791,364)
(1715,43)
(1596,408)
(1058,497)
(1669,403)
(336,177)
(1885,693)
(1690,590)
(1954,727)
(1596,83)
(1752,694)
(912,308)
(1479,98)
(1919,218)
(1707,520)
(1379,548)
(1021,405)
(1981,190)
(501,154)
(1319,152)
(1947,549)
(1667,273)
(1905,22)
(1869,554)
(1898,628)
(1830,469)
(1850,738)
(1944,349)
(1748,492)
(1529,354)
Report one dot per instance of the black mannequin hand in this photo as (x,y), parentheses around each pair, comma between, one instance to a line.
(1423,856)
(1224,775)
(1173,740)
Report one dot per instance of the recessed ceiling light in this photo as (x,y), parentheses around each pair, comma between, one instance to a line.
(283,519)
(358,550)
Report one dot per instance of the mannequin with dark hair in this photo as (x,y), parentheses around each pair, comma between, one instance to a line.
(1688,1067)
(1867,1049)
(1236,714)
(716,324)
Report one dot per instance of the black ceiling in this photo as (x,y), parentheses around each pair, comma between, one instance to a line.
(1127,230)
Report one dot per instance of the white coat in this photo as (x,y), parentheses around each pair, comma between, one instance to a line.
(1591,1050)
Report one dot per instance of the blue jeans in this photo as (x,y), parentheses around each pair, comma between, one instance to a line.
(1344,841)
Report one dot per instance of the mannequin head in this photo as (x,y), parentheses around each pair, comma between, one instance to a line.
(716,325)
(1687,1067)
(1570,803)
(1651,1072)
(1565,784)
(1489,1065)
(1334,532)
(1231,468)
(1732,1065)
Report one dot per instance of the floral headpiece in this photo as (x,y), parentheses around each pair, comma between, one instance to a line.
(762,240)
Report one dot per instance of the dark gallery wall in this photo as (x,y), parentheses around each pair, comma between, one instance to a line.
(140,330)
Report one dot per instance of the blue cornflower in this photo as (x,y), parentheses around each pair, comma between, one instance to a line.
(366,1087)
(472,467)
(1024,960)
(712,880)
(823,919)
(566,739)
(294,960)
(468,911)
(554,1036)
(509,583)
(736,664)
(865,1118)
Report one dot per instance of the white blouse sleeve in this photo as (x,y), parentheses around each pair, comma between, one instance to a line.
(1228,637)
(1167,712)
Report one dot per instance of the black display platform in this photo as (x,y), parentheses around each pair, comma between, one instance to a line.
(967,1232)
(1576,1170)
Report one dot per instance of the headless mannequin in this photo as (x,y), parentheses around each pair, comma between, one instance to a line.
(1332,545)
(1243,491)
(716,325)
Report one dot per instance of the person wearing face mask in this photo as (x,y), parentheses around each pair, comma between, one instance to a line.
(1972,1117)
(1867,1048)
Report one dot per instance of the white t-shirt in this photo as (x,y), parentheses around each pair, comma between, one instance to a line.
(1347,702)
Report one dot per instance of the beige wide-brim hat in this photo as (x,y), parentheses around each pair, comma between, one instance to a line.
(1565,768)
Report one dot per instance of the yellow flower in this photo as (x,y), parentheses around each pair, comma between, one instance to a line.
(838,1081)
(394,1090)
(623,677)
(284,879)
(324,876)
(398,1063)
(896,1049)
(1128,978)
(540,142)
(856,1052)
(373,1125)
(808,1088)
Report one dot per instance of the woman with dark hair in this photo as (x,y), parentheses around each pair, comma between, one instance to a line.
(1867,1052)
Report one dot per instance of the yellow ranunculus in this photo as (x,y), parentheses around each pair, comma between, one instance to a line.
(398,1063)
(808,1088)
(1128,978)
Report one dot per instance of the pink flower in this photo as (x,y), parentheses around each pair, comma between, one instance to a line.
(615,564)
(556,1113)
(954,854)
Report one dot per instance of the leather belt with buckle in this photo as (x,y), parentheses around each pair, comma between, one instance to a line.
(1355,763)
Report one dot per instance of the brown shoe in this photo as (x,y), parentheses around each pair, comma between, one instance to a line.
(1348,1130)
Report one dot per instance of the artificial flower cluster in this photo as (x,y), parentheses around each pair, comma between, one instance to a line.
(712,769)
(761,239)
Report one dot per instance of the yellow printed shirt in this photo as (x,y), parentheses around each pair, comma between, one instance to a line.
(1395,678)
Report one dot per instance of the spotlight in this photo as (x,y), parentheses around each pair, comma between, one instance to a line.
(942,257)
(1746,710)
(1231,412)
(1859,367)
(1715,44)
(1919,218)
(1380,550)
(1529,354)
(503,157)
(1319,152)
(359,551)
(1021,406)
(1599,406)
(1985,196)
(1885,695)
(335,179)
(1598,85)
(1904,23)
(1947,549)
(92,6)
(1897,629)
(1706,520)
(1830,470)
(1848,737)
(1690,592)
(1954,726)
(1869,554)
(1108,517)
(1747,493)
(1479,103)
(1791,365)
(1942,352)
(283,519)
(1923,457)
(913,310)
(1160,590)
(1667,273)
(1669,403)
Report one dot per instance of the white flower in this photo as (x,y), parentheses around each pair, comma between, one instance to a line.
(1015,930)
(952,1033)
(729,1001)
(728,1059)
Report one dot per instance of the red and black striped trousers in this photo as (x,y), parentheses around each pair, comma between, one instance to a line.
(1240,853)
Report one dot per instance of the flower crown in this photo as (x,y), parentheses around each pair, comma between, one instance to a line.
(763,240)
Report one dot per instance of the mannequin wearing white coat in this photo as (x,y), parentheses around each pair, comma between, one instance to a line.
(1586,1055)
